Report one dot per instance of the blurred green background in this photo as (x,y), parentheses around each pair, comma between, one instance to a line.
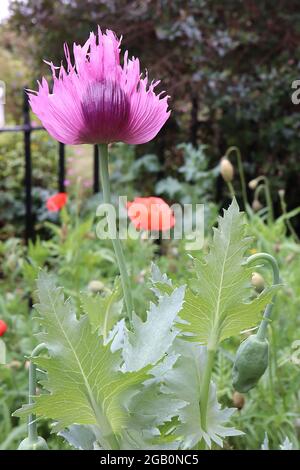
(228,67)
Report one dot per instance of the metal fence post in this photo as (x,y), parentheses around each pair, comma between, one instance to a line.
(96,169)
(29,230)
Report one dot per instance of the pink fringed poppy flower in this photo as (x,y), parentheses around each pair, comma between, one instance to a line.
(56,202)
(97,100)
(150,213)
(3,327)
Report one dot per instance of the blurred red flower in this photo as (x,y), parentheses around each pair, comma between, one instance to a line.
(56,202)
(150,213)
(3,327)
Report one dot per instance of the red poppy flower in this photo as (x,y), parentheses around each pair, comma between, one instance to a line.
(150,213)
(3,327)
(56,202)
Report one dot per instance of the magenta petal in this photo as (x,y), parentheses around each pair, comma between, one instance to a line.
(105,110)
(148,113)
(97,100)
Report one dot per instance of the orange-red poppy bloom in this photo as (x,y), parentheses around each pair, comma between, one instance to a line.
(3,327)
(56,202)
(150,213)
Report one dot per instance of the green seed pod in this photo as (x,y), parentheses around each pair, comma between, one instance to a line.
(250,363)
(39,444)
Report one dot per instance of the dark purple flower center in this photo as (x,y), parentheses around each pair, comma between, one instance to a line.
(105,110)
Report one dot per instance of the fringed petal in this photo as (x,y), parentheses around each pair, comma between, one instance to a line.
(96,100)
(148,113)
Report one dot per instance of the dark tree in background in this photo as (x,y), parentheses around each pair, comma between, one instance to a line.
(228,67)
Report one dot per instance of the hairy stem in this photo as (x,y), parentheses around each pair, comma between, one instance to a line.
(267,190)
(104,173)
(287,221)
(262,330)
(269,202)
(32,428)
(231,189)
(241,171)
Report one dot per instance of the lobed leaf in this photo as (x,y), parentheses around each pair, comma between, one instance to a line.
(150,340)
(220,307)
(183,381)
(84,380)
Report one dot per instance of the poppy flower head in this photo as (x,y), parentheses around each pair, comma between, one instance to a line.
(97,100)
(150,213)
(56,202)
(3,327)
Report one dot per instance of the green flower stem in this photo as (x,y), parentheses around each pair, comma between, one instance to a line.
(262,330)
(268,196)
(258,191)
(104,173)
(205,385)
(231,189)
(269,202)
(241,171)
(287,221)
(32,428)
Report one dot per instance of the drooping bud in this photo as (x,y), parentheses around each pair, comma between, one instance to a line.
(238,400)
(226,170)
(258,282)
(253,183)
(95,286)
(14,364)
(250,363)
(256,205)
(38,444)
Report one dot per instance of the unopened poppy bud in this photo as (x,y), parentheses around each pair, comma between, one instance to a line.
(238,400)
(174,251)
(258,282)
(290,257)
(281,193)
(253,184)
(226,170)
(12,261)
(38,444)
(140,279)
(250,363)
(96,286)
(14,364)
(256,205)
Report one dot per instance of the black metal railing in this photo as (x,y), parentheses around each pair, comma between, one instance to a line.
(27,129)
